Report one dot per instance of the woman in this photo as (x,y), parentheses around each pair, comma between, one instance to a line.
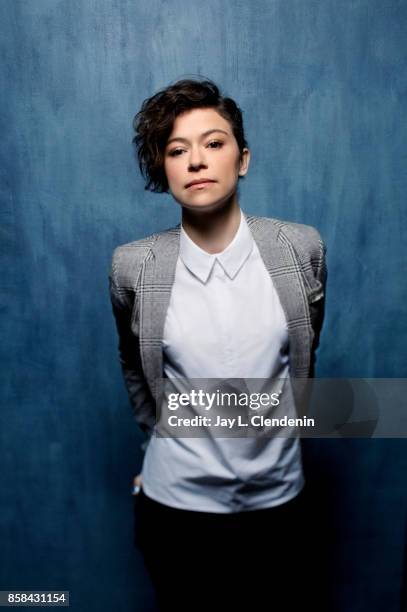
(222,295)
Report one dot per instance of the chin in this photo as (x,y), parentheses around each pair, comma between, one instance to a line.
(202,205)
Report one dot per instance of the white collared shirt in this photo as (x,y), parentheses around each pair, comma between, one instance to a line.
(224,320)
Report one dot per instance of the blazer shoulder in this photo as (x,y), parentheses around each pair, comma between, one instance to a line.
(305,240)
(128,258)
(310,248)
(307,237)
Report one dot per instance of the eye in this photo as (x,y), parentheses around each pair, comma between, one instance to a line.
(175,152)
(214,144)
(218,144)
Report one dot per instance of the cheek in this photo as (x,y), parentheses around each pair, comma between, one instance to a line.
(229,166)
(171,172)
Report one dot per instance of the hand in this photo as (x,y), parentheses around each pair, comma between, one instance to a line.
(136,484)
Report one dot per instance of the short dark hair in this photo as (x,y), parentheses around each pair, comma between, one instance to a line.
(154,123)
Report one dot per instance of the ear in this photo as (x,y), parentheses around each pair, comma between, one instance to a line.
(244,162)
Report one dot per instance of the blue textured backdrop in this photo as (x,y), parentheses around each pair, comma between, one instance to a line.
(323,87)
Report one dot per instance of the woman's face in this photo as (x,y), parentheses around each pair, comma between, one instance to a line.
(202,146)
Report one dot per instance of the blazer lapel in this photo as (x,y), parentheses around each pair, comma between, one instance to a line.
(281,263)
(156,282)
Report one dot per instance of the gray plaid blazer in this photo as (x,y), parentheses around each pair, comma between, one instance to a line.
(140,282)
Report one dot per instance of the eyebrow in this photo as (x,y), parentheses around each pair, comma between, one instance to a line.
(202,135)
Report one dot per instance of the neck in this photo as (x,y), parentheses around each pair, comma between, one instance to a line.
(213,230)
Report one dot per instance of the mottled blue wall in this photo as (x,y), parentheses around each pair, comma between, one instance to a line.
(323,86)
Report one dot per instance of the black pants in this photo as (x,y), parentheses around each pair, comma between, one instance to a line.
(250,560)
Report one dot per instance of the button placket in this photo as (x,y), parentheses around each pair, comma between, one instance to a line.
(223,308)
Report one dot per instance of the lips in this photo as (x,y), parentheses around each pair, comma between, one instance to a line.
(199,182)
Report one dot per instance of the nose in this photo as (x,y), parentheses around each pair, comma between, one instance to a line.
(196,158)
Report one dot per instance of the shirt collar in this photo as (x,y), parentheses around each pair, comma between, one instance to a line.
(232,258)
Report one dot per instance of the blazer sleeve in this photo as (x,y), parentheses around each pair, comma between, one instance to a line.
(139,393)
(317,307)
